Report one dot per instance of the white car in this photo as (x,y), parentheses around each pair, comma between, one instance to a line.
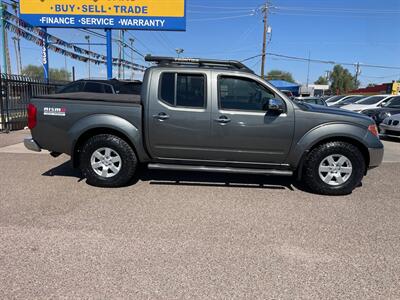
(368,103)
(338,99)
(391,126)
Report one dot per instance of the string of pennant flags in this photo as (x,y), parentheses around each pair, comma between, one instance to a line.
(37,35)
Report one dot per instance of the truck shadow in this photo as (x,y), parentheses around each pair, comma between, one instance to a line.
(181,178)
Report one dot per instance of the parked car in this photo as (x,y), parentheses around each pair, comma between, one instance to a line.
(391,126)
(332,102)
(325,98)
(112,86)
(368,103)
(311,100)
(335,99)
(347,101)
(289,94)
(392,107)
(205,115)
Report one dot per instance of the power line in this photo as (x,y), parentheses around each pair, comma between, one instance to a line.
(222,7)
(222,18)
(114,39)
(328,15)
(330,62)
(220,12)
(140,42)
(341,10)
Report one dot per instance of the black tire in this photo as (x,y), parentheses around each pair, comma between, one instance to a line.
(311,175)
(123,149)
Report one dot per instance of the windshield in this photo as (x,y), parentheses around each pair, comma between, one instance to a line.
(393,103)
(371,100)
(334,99)
(352,99)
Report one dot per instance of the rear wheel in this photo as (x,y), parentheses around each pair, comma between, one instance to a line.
(108,161)
(334,168)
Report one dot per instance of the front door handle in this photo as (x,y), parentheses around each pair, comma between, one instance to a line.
(161,116)
(223,120)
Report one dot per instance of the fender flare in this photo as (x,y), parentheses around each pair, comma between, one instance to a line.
(328,132)
(107,121)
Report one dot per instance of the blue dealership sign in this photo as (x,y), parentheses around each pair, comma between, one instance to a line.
(106,14)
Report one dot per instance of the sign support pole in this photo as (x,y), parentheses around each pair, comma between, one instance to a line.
(109,54)
(45,55)
(3,37)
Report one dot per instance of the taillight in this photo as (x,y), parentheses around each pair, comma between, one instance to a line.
(32,112)
(373,129)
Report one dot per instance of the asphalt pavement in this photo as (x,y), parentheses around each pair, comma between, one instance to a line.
(193,235)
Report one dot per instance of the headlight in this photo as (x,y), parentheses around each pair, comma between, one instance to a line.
(384,115)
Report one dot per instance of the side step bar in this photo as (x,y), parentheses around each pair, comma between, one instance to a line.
(220,169)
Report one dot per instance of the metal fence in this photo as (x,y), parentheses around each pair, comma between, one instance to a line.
(15,94)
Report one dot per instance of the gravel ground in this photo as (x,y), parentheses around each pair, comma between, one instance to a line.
(205,236)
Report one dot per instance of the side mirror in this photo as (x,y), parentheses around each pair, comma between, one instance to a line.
(276,105)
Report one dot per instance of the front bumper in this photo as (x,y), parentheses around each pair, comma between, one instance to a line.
(30,144)
(388,130)
(375,156)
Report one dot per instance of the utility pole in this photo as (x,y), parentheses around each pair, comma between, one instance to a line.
(308,68)
(265,10)
(87,37)
(123,52)
(327,74)
(119,54)
(14,6)
(358,72)
(3,36)
(17,54)
(133,70)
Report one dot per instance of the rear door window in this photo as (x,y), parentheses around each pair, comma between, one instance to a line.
(183,90)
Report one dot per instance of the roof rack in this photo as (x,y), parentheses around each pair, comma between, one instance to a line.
(168,61)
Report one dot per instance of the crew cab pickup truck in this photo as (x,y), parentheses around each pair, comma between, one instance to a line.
(205,115)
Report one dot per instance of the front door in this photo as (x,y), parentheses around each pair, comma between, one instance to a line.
(179,116)
(242,127)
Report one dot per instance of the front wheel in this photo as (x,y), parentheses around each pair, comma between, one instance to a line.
(108,161)
(334,168)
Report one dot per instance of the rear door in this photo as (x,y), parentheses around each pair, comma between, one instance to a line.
(242,128)
(178,116)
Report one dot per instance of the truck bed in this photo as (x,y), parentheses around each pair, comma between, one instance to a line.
(62,118)
(81,96)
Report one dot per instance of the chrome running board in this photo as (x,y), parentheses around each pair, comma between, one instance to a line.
(157,166)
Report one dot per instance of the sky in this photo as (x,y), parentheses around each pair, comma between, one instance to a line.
(350,31)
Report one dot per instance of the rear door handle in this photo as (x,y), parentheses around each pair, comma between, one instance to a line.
(223,120)
(161,116)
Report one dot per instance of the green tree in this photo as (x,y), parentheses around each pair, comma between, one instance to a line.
(342,81)
(38,72)
(280,75)
(322,80)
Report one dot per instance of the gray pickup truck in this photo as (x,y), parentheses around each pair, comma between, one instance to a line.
(205,115)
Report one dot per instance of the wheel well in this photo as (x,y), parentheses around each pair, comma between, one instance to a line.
(92,132)
(363,149)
